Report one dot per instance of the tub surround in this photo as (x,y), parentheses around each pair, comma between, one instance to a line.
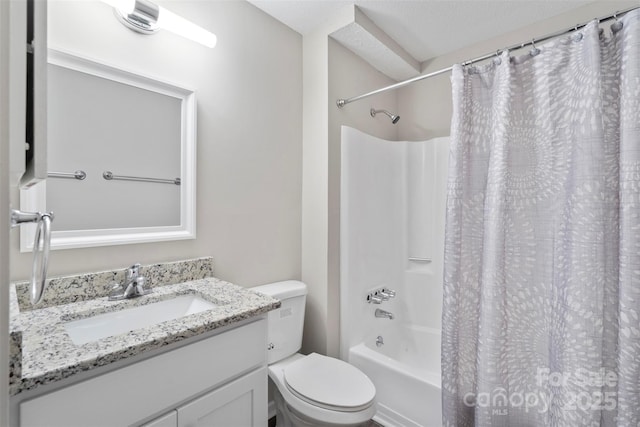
(42,352)
(400,355)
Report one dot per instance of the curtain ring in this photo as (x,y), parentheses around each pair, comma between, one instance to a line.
(576,36)
(471,69)
(497,60)
(534,51)
(616,26)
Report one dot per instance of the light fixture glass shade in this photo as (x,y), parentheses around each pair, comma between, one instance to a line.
(125,6)
(177,24)
(135,15)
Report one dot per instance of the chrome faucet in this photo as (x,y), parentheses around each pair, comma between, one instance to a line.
(384,314)
(380,295)
(387,293)
(132,287)
(373,298)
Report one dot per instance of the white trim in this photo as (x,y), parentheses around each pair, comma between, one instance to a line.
(34,198)
(6,103)
(271,409)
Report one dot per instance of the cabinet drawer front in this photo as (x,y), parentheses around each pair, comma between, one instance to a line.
(138,391)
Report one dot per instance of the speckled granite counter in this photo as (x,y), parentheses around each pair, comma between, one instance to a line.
(42,352)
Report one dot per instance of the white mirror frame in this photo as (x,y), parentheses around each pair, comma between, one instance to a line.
(34,198)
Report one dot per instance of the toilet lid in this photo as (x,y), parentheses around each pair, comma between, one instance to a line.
(329,383)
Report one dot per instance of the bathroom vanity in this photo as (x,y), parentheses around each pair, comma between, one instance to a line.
(199,369)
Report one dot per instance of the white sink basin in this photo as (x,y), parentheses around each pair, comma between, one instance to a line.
(118,322)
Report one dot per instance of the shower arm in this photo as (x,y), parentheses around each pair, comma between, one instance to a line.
(393,117)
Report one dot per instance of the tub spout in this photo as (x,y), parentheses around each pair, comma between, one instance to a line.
(384,314)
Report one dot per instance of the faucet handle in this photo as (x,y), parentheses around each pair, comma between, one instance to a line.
(373,298)
(133,271)
(387,293)
(382,294)
(116,290)
(140,286)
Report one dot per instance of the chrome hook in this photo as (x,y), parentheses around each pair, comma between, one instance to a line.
(534,51)
(616,26)
(497,60)
(576,36)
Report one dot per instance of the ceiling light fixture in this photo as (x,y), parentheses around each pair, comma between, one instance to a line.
(146,17)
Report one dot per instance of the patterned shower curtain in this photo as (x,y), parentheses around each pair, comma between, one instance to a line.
(542,255)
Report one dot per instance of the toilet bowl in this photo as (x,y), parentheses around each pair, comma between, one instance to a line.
(311,390)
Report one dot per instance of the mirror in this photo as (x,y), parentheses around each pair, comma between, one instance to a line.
(121,162)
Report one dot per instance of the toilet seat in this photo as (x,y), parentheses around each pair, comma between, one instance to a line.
(329,383)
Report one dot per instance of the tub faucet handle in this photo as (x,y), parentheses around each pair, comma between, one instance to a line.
(373,298)
(381,294)
(387,293)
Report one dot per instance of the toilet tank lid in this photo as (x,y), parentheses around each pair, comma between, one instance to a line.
(283,290)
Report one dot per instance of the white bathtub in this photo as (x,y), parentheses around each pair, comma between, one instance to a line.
(406,373)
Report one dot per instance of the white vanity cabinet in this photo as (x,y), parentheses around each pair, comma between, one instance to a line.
(220,380)
(238,404)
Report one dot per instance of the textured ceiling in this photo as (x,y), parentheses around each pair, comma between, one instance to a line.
(425,28)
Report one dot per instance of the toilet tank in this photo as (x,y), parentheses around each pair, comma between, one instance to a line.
(285,324)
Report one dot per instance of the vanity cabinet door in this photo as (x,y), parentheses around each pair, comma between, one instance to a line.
(167,420)
(241,403)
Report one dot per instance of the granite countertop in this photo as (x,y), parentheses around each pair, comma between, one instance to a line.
(42,351)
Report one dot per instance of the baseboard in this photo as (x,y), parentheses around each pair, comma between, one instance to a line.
(271,409)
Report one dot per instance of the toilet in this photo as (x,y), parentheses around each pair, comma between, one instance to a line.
(312,390)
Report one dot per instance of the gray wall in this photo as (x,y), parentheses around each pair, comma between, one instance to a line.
(349,75)
(249,90)
(330,70)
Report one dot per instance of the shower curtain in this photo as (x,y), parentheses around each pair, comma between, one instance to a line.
(542,254)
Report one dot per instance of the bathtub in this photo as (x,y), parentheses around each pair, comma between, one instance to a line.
(406,373)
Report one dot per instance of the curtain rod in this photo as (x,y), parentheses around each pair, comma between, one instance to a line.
(342,102)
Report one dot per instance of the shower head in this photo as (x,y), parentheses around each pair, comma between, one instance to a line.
(393,117)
